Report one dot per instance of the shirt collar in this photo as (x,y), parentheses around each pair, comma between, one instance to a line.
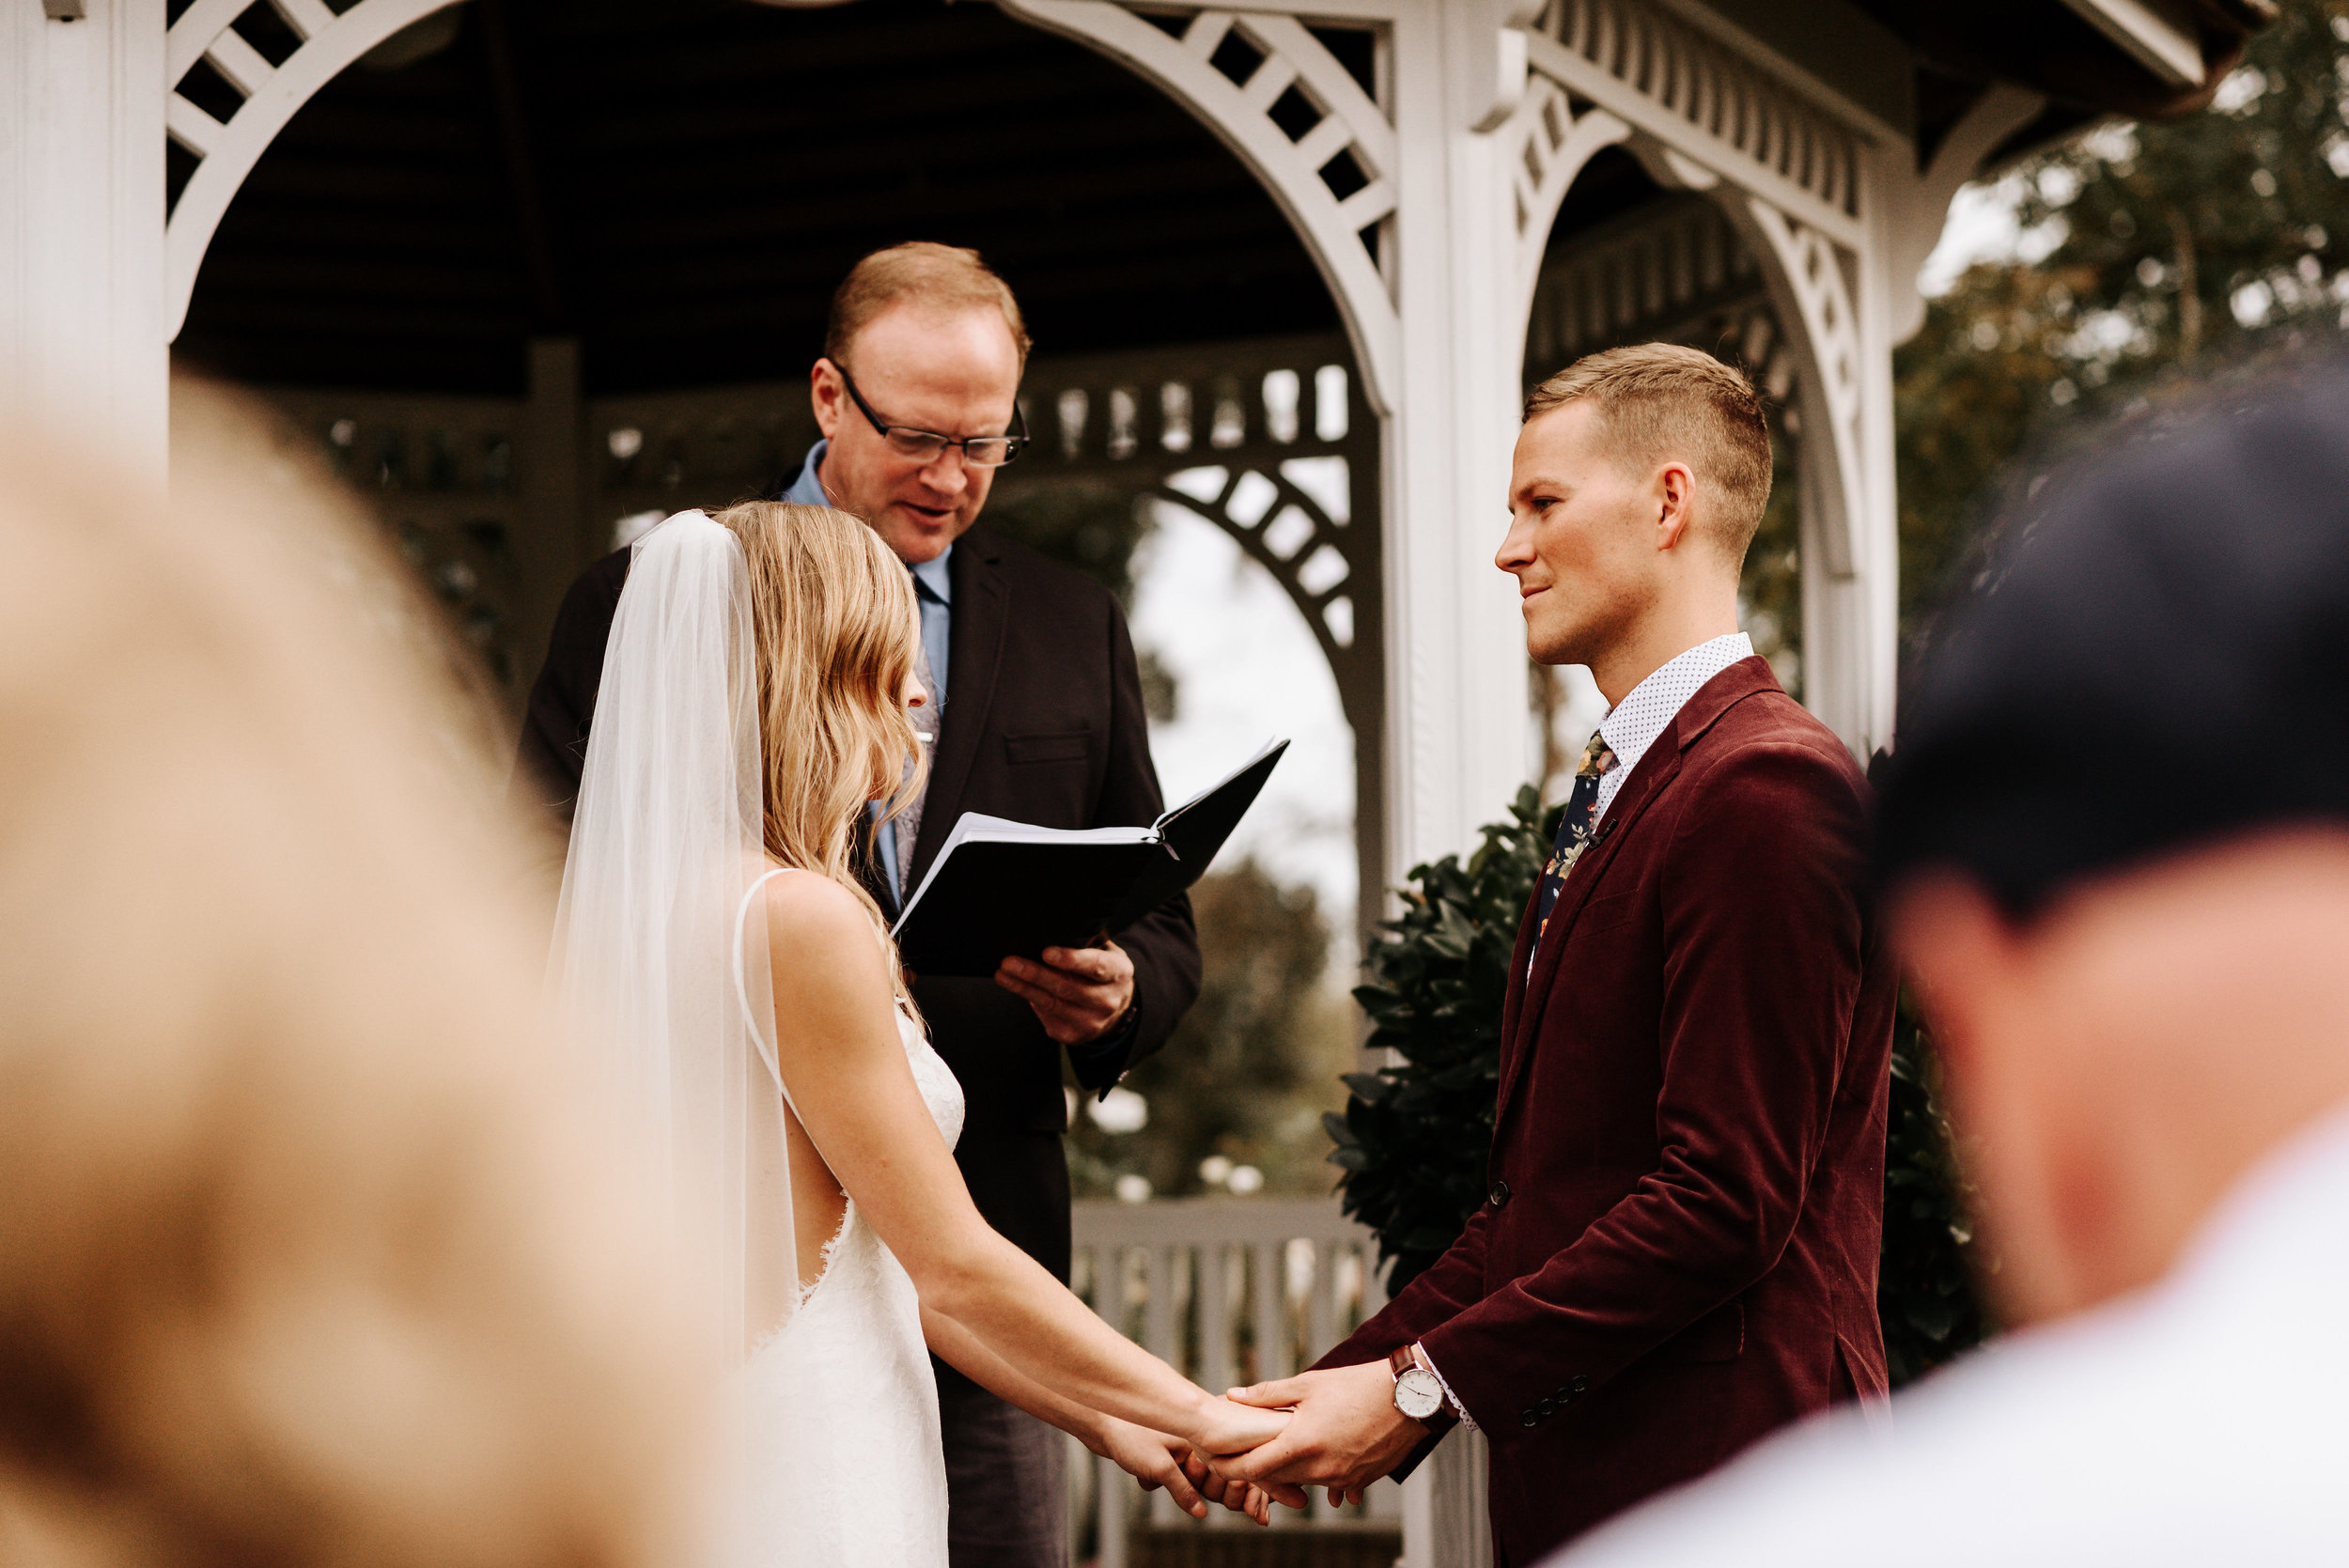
(807,489)
(1632,726)
(933,576)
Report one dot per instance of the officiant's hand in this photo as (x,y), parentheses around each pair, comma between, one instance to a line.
(1079,993)
(1343,1432)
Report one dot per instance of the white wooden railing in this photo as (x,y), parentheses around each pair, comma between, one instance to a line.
(1230,1291)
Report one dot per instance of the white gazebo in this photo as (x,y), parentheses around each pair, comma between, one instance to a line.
(1794,159)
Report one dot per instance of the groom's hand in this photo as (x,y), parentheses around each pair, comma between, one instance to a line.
(1346,1432)
(1079,993)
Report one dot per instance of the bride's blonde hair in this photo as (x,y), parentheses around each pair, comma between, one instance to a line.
(833,615)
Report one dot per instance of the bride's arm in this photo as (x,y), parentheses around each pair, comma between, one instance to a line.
(1152,1458)
(849,1081)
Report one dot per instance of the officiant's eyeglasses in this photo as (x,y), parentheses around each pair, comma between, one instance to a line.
(904,439)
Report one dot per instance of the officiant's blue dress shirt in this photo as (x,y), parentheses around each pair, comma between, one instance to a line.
(933,592)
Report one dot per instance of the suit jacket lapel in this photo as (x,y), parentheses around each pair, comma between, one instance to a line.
(981,612)
(1647,781)
(1512,994)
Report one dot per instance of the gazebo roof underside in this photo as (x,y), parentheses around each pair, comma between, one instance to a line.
(680,186)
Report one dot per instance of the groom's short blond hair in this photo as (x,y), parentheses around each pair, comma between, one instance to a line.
(1663,402)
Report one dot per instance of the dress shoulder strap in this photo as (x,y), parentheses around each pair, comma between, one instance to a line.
(742,985)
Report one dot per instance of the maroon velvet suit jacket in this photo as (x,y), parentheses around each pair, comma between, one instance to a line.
(1679,1249)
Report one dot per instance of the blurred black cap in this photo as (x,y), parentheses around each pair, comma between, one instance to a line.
(2160,659)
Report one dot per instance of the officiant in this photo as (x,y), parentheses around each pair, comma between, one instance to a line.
(1038,716)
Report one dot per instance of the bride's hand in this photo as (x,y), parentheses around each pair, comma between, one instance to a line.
(1228,1428)
(1152,1458)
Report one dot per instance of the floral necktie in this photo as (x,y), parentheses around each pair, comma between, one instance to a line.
(1573,828)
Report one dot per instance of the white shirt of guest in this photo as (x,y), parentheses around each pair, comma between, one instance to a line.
(2195,1423)
(1632,725)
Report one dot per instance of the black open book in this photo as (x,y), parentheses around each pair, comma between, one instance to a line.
(1002,889)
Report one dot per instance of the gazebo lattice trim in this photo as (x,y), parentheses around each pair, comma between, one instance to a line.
(1707,105)
(225,150)
(1281,77)
(1811,269)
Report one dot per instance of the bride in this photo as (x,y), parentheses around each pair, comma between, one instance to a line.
(756,1040)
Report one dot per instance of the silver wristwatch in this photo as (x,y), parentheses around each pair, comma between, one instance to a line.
(1417,1394)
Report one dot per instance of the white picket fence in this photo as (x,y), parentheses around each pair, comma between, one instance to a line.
(1230,1291)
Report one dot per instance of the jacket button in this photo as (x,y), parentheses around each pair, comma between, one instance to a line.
(1529,1418)
(1497,1193)
(1580,1384)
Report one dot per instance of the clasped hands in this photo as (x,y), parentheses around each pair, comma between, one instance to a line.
(1079,993)
(1343,1433)
(1337,1429)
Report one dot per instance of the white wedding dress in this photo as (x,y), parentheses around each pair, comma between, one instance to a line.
(831,1457)
(842,1464)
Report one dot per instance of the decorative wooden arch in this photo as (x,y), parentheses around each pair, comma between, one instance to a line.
(1239,95)
(225,150)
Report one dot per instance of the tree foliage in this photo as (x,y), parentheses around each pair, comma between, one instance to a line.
(1253,1064)
(2159,252)
(1414,1135)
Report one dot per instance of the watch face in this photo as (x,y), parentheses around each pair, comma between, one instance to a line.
(1417,1394)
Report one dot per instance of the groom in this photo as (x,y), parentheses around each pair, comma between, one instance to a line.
(1678,1248)
(1034,676)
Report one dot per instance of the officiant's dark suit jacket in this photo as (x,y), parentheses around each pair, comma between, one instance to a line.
(1678,1251)
(1043,723)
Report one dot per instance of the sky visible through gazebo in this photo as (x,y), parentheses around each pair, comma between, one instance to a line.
(1247,669)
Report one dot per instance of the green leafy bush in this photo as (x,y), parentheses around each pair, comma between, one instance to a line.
(1414,1135)
(1926,1279)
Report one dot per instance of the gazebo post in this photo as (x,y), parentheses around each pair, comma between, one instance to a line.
(1456,678)
(555,532)
(83,345)
(1456,669)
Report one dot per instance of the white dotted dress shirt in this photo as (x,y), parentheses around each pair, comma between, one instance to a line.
(1632,725)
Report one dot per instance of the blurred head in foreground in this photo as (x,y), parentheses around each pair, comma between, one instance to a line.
(302,1258)
(2114,844)
(2115,838)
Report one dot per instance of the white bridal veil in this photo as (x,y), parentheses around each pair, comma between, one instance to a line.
(666,843)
